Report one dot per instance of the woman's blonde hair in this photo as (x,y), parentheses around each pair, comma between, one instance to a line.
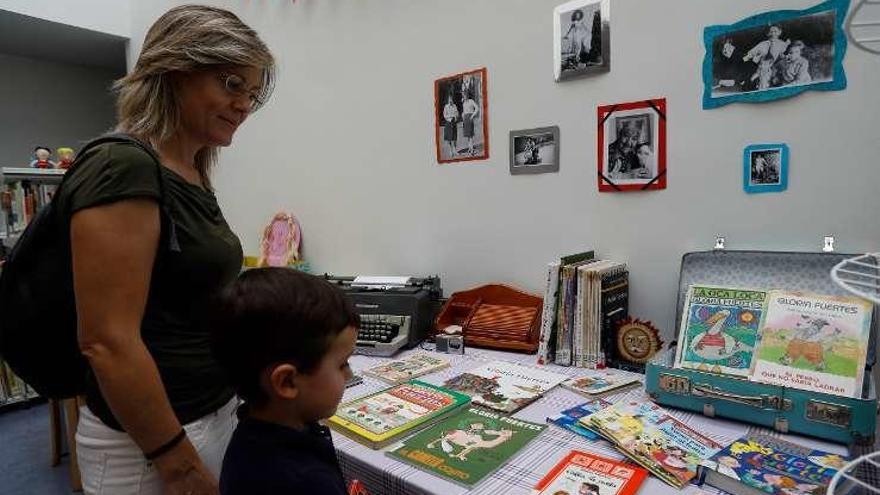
(186,39)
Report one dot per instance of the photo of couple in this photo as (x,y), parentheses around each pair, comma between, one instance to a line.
(461,123)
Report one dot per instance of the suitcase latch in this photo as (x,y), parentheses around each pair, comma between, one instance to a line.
(832,414)
(759,401)
(675,384)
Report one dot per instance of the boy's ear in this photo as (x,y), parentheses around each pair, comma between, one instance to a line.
(282,381)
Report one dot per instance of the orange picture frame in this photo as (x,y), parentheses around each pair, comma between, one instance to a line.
(461,123)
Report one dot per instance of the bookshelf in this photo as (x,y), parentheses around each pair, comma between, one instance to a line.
(23,191)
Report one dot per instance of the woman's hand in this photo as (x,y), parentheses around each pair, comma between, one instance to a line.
(183,473)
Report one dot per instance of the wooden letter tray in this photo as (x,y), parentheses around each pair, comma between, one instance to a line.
(494,316)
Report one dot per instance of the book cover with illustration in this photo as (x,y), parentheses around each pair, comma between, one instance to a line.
(467,447)
(719,331)
(570,418)
(592,383)
(772,466)
(813,342)
(647,434)
(582,473)
(379,418)
(401,370)
(504,386)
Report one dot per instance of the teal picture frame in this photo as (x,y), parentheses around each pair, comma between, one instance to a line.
(813,24)
(765,168)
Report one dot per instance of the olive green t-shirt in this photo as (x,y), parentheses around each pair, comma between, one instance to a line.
(183,280)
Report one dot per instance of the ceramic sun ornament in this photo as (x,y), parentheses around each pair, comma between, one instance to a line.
(281,241)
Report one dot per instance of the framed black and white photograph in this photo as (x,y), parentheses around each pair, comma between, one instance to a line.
(460,106)
(775,55)
(632,146)
(765,168)
(581,38)
(534,151)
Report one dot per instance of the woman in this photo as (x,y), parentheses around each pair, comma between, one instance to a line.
(469,112)
(200,73)
(578,35)
(450,125)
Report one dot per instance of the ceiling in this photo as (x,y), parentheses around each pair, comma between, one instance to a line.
(26,36)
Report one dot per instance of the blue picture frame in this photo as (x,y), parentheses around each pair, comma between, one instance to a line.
(728,78)
(765,168)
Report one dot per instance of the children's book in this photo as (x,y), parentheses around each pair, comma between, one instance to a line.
(645,433)
(590,474)
(401,370)
(719,330)
(813,342)
(467,447)
(504,386)
(378,419)
(593,383)
(764,465)
(570,418)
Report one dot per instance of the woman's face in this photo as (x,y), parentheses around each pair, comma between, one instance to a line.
(211,113)
(644,155)
(774,32)
(728,49)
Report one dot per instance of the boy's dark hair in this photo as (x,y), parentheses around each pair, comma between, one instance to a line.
(274,315)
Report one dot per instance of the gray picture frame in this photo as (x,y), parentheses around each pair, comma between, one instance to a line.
(566,64)
(536,142)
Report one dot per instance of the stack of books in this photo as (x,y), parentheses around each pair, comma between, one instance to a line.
(378,419)
(584,298)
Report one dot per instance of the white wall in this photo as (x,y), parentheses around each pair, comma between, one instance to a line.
(106,16)
(50,104)
(347,144)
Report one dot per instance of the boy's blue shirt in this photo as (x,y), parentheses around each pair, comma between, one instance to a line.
(268,458)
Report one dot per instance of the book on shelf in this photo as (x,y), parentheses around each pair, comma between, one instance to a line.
(401,370)
(591,474)
(380,418)
(647,434)
(570,418)
(814,342)
(720,329)
(504,386)
(595,383)
(468,446)
(602,300)
(765,465)
(22,199)
(549,334)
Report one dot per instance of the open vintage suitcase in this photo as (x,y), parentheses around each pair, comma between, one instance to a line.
(840,419)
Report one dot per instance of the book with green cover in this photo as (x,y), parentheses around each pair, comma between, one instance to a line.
(719,329)
(467,447)
(378,419)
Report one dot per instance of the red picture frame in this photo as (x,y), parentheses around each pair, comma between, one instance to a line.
(628,135)
(469,137)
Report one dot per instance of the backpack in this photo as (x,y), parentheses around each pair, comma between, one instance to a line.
(38,323)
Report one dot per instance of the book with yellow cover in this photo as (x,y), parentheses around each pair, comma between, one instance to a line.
(378,419)
(645,433)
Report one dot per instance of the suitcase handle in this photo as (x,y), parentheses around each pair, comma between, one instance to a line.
(759,401)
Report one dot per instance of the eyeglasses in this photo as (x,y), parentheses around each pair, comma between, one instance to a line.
(237,86)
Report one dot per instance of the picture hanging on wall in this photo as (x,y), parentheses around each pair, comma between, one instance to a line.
(775,55)
(581,38)
(534,151)
(460,110)
(632,146)
(765,168)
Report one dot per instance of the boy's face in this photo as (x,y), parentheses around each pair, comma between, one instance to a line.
(321,390)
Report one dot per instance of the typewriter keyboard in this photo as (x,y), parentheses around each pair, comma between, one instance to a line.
(380,328)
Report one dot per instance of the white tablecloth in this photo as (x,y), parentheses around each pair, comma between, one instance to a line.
(383,475)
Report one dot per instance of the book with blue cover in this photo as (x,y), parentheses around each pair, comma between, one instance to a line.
(764,465)
(570,418)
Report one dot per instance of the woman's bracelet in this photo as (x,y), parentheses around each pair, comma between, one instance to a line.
(166,446)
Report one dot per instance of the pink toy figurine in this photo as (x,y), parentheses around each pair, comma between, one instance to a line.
(281,241)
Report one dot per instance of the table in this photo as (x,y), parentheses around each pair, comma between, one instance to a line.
(383,475)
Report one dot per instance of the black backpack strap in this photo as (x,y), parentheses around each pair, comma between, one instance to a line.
(119,137)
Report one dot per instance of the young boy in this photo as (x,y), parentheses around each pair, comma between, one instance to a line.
(284,338)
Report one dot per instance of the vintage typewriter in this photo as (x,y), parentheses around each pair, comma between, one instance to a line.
(395,312)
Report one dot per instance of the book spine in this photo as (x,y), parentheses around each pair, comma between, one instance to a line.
(563,341)
(578,341)
(615,307)
(547,342)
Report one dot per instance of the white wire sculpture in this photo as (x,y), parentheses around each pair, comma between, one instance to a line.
(865,34)
(858,477)
(859,276)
